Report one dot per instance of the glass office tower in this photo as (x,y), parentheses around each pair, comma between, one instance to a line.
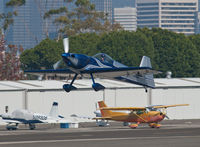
(176,15)
(107,6)
(29,27)
(104,6)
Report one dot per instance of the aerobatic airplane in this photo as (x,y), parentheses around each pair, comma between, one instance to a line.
(151,114)
(100,65)
(22,116)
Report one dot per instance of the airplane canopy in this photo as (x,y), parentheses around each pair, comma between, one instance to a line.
(104,58)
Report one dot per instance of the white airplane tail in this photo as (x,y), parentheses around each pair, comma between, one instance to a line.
(54,110)
(145,80)
(145,62)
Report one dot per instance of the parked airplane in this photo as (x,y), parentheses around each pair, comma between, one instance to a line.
(151,114)
(97,112)
(100,65)
(22,116)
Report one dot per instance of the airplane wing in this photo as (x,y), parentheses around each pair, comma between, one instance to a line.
(101,118)
(98,72)
(166,106)
(12,121)
(123,108)
(50,72)
(116,72)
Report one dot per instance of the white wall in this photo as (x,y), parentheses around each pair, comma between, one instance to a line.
(179,96)
(12,99)
(83,102)
(75,102)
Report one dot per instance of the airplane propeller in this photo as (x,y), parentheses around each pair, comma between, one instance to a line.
(66,44)
(66,49)
(165,113)
(56,65)
(167,117)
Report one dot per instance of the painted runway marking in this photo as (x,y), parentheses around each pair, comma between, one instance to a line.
(95,139)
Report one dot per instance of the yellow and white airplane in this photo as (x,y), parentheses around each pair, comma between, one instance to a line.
(151,114)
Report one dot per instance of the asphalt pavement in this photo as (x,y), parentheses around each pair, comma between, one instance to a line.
(175,133)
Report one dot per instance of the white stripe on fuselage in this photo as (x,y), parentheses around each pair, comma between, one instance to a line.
(101,65)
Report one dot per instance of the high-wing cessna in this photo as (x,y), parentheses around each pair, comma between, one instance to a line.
(22,116)
(103,66)
(151,114)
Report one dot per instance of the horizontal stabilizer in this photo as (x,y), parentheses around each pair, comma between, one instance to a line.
(145,79)
(101,118)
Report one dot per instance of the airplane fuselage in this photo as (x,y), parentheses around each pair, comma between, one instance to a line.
(145,117)
(80,62)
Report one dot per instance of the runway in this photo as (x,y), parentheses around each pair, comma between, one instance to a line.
(173,133)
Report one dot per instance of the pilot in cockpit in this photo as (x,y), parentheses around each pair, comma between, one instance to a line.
(102,57)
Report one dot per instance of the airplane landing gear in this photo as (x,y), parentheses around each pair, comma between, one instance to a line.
(154,125)
(12,127)
(146,90)
(133,126)
(31,126)
(96,86)
(69,87)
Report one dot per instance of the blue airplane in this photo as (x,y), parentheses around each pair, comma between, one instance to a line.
(103,66)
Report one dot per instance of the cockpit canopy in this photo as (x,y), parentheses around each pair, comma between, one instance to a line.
(104,58)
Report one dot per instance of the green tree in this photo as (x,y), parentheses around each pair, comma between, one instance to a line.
(83,18)
(16,3)
(126,47)
(168,51)
(173,52)
(85,43)
(6,19)
(44,55)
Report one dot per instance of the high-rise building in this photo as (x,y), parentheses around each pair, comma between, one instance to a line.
(104,6)
(176,15)
(123,3)
(126,17)
(107,6)
(29,27)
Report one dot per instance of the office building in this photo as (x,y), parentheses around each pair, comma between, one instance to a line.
(107,6)
(104,6)
(176,15)
(126,17)
(29,27)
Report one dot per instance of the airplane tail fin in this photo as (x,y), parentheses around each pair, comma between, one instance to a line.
(104,113)
(54,110)
(146,80)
